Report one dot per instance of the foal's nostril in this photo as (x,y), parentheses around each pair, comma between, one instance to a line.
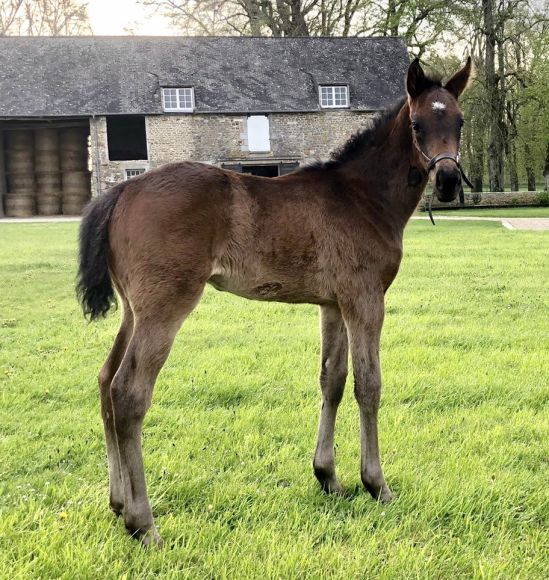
(438,181)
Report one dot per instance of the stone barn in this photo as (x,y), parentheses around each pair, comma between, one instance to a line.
(79,114)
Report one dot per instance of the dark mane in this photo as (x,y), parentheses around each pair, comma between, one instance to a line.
(368,135)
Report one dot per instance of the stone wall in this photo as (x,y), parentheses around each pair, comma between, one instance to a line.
(110,172)
(488,199)
(218,139)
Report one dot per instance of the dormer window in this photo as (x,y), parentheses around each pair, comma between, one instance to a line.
(333,96)
(179,100)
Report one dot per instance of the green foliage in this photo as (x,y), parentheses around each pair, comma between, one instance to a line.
(229,439)
(543,198)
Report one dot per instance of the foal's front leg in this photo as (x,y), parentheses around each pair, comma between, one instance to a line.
(333,374)
(364,320)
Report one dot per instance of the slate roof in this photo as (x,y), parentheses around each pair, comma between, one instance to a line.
(68,76)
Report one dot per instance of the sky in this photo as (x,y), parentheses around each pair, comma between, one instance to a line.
(115,17)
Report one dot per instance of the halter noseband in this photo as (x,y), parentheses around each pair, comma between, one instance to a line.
(432,161)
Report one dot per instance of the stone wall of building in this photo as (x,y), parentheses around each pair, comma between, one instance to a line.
(487,199)
(105,172)
(218,139)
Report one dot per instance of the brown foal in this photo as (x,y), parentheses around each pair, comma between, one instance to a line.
(328,234)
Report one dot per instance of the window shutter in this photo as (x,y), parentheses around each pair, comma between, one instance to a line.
(259,134)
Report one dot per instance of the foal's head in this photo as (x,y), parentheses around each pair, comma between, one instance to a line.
(436,125)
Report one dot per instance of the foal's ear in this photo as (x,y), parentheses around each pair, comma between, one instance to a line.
(457,84)
(415,79)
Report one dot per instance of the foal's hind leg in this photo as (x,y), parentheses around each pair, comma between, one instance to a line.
(105,378)
(154,331)
(333,373)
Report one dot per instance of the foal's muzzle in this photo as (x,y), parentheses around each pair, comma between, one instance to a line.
(448,177)
(447,183)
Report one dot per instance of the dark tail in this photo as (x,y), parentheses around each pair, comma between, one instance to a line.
(94,287)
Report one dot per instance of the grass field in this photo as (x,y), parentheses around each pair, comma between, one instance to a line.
(496,212)
(228,442)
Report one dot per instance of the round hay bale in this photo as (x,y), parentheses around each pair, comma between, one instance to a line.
(19,161)
(74,204)
(76,181)
(48,204)
(19,205)
(21,182)
(74,160)
(48,182)
(46,161)
(74,139)
(19,140)
(46,140)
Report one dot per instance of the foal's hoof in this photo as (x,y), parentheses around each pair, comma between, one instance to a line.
(332,487)
(151,539)
(386,495)
(147,535)
(328,482)
(380,493)
(383,495)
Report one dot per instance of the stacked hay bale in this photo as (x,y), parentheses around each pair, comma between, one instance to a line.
(20,197)
(74,170)
(47,171)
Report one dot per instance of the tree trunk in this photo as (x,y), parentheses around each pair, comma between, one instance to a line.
(530,173)
(513,173)
(546,169)
(254,16)
(476,163)
(511,144)
(495,145)
(391,21)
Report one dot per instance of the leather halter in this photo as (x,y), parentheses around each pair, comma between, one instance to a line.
(432,161)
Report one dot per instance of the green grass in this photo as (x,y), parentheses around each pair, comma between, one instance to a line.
(510,212)
(228,441)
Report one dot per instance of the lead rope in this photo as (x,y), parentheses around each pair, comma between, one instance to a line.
(429,208)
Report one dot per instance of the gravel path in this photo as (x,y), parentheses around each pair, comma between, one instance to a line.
(540,224)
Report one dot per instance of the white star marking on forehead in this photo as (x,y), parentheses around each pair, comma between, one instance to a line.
(438,106)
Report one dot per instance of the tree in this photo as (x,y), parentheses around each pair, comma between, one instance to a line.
(44,18)
(507,44)
(420,22)
(9,9)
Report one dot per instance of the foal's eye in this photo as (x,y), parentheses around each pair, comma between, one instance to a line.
(415,125)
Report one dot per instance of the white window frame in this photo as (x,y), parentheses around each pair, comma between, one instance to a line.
(134,172)
(179,93)
(332,88)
